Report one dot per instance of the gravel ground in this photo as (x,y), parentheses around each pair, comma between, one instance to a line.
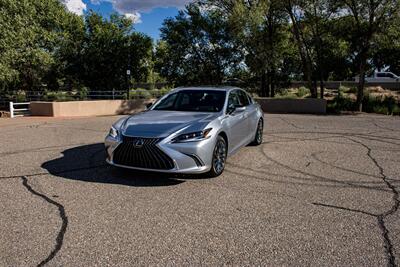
(320,191)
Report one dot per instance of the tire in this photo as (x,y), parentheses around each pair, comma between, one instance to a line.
(219,158)
(258,138)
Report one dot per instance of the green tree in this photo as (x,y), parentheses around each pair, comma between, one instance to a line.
(197,47)
(260,27)
(111,47)
(296,16)
(67,72)
(141,55)
(367,19)
(386,49)
(29,34)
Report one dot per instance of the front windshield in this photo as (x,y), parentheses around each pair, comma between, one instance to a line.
(193,100)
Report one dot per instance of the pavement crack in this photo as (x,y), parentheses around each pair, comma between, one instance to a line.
(382,127)
(388,245)
(395,206)
(381,223)
(344,208)
(63,217)
(319,178)
(39,149)
(56,172)
(291,123)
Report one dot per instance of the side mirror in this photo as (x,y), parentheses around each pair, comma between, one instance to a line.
(240,109)
(231,108)
(148,105)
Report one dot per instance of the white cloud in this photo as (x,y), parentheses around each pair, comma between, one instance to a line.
(125,6)
(134,17)
(131,8)
(75,6)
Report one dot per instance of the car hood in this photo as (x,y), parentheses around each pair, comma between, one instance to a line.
(156,123)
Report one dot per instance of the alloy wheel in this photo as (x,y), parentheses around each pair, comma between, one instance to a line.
(259,135)
(219,156)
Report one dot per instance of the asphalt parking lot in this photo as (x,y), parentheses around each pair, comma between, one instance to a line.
(321,190)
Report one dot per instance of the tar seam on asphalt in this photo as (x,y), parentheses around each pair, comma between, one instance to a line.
(63,216)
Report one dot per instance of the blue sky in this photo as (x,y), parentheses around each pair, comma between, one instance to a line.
(148,15)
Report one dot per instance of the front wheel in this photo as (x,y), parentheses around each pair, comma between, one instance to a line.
(219,158)
(259,134)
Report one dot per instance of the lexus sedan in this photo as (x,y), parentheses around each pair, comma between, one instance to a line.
(189,130)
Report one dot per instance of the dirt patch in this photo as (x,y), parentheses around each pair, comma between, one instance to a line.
(4,114)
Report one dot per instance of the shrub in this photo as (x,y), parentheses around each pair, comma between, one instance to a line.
(140,93)
(58,96)
(390,103)
(352,90)
(347,90)
(288,96)
(282,92)
(20,97)
(382,105)
(341,103)
(164,90)
(83,93)
(302,91)
(396,110)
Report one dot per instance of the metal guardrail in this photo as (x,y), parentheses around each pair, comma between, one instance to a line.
(19,112)
(30,96)
(394,86)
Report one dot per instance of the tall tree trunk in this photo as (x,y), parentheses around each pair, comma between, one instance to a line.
(361,84)
(320,69)
(308,75)
(314,92)
(321,78)
(321,85)
(268,93)
(318,35)
(271,32)
(273,82)
(263,89)
(305,57)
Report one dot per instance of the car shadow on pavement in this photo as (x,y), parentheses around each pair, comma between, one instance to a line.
(87,163)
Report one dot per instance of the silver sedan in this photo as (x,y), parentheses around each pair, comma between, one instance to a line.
(189,130)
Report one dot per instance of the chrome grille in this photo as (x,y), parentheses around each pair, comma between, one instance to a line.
(142,153)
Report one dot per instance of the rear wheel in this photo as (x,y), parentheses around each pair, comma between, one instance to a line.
(219,158)
(259,134)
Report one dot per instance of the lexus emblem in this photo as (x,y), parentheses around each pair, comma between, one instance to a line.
(138,143)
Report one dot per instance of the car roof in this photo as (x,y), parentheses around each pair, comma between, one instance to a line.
(213,88)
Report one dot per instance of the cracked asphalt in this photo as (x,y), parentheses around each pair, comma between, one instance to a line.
(320,191)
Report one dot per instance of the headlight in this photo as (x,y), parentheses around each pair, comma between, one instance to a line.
(192,137)
(113,132)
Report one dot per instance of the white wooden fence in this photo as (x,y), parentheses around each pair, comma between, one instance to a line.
(19,109)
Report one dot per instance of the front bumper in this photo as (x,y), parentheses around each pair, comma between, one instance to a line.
(188,158)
